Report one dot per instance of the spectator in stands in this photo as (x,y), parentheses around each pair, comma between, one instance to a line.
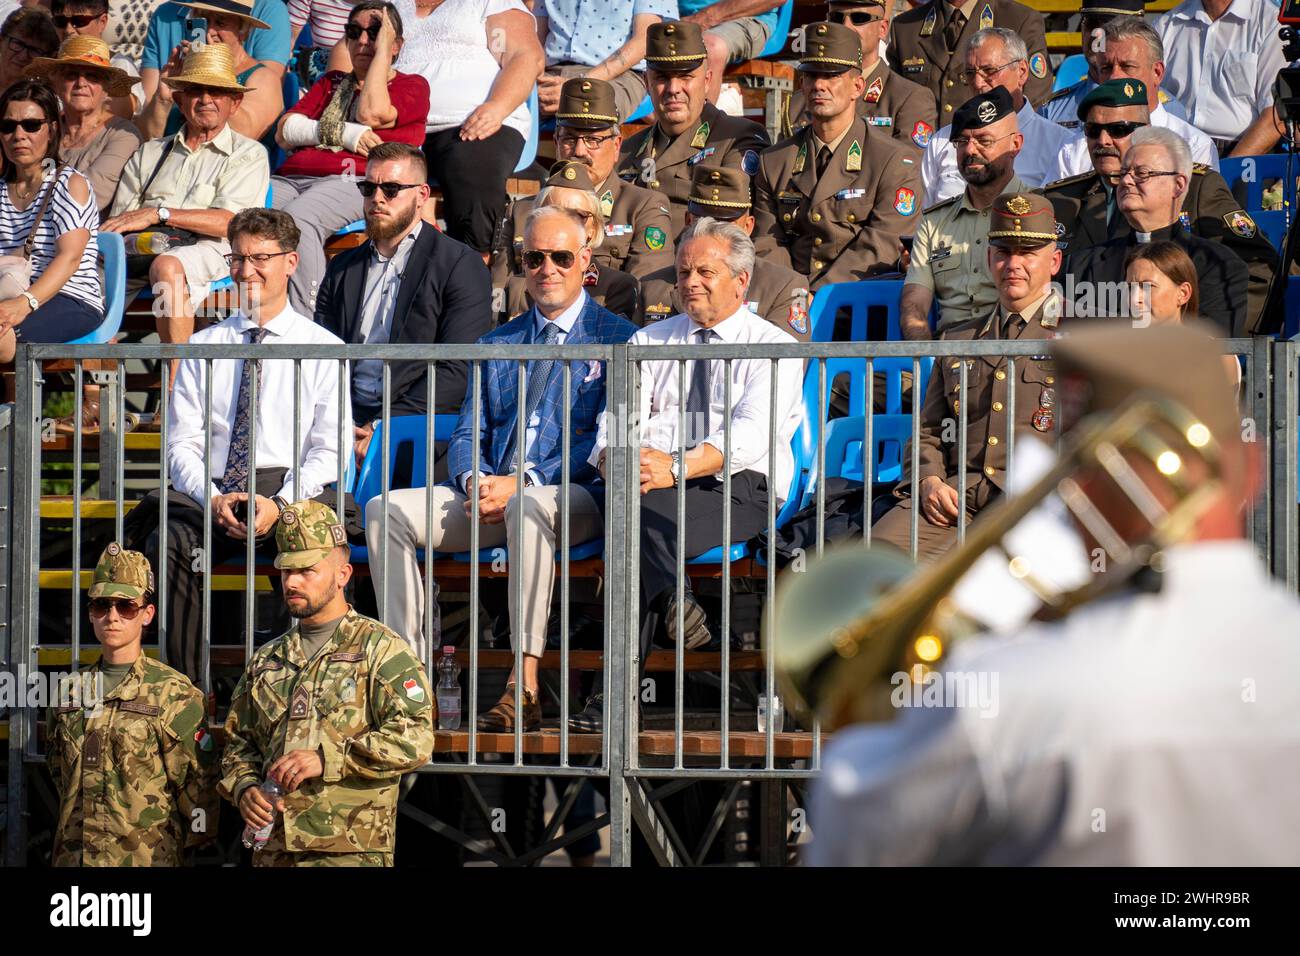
(25,35)
(194,181)
(601,42)
(173,24)
(481,58)
(263,99)
(332,130)
(949,256)
(95,142)
(1149,194)
(688,129)
(775,292)
(262,259)
(570,187)
(891,103)
(48,216)
(1022,258)
(996,57)
(1222,59)
(1085,204)
(89,18)
(734,31)
(556,255)
(835,197)
(409,283)
(714,263)
(326,22)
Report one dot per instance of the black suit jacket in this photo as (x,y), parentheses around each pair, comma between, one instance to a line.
(445,297)
(1224,278)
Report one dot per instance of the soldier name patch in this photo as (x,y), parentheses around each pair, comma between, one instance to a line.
(1241,224)
(655,238)
(921,134)
(905,202)
(1038,66)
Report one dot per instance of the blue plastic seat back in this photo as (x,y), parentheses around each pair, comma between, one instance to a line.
(407,444)
(1291,328)
(530,144)
(113,253)
(1072,69)
(1249,176)
(1272,223)
(844,441)
(872,305)
(642,111)
(780,32)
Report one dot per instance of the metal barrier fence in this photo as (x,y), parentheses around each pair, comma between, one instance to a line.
(629,759)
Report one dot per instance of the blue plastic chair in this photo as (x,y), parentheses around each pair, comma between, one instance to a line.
(1072,69)
(113,252)
(867,300)
(889,434)
(1247,175)
(1291,327)
(1272,223)
(642,111)
(529,154)
(780,32)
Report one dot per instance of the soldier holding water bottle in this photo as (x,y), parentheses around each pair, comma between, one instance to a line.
(333,713)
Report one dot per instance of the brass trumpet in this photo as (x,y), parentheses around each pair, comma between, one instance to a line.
(857,617)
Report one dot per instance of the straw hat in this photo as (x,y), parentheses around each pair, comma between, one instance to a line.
(234,8)
(83,53)
(210,65)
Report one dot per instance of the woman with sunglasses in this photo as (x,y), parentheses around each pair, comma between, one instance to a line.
(89,18)
(570,187)
(330,132)
(230,25)
(25,35)
(64,300)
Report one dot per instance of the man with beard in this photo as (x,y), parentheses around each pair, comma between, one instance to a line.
(950,252)
(335,712)
(409,284)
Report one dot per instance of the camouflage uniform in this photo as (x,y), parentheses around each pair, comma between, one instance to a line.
(136,777)
(363,702)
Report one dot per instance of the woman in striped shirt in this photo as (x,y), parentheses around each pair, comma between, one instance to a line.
(64,300)
(326,21)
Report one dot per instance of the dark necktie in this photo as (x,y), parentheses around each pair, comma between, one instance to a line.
(697,398)
(235,477)
(823,160)
(952,32)
(1010,324)
(539,375)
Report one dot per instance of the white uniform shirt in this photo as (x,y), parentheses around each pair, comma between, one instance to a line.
(750,397)
(1074,158)
(1222,70)
(1035,165)
(318,410)
(1147,730)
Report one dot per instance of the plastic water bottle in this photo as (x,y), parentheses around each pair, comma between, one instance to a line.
(256,839)
(448,690)
(150,244)
(778,714)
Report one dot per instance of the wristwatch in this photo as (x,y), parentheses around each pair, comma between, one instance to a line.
(280,503)
(164,214)
(32,301)
(675,467)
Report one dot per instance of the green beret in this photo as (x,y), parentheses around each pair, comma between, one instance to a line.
(1117,92)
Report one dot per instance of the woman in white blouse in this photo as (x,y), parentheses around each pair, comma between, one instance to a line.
(481,58)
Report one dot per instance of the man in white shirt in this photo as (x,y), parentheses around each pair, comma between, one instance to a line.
(263,256)
(1221,59)
(995,57)
(1134,51)
(1158,727)
(714,263)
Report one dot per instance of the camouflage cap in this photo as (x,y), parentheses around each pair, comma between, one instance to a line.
(121,573)
(306,533)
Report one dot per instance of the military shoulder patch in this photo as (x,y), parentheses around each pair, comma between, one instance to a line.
(905,202)
(1241,224)
(749,163)
(939,205)
(1038,66)
(921,133)
(655,238)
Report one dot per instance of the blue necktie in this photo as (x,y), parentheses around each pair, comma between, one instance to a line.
(539,376)
(236,474)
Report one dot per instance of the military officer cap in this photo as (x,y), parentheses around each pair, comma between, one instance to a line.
(1022,221)
(586,104)
(306,533)
(1116,92)
(121,573)
(830,48)
(571,174)
(982,110)
(840,4)
(1105,9)
(719,191)
(674,47)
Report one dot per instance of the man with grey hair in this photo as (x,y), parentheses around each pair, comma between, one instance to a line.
(714,262)
(1134,51)
(995,57)
(1149,194)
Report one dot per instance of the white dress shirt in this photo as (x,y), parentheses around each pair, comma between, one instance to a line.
(378,302)
(750,397)
(1074,158)
(1154,729)
(942,178)
(319,410)
(1222,70)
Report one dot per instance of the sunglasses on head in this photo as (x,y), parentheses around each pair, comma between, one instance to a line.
(390,189)
(126,608)
(353,31)
(1121,130)
(562,258)
(80,21)
(857,17)
(9,126)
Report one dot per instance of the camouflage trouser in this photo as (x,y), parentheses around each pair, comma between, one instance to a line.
(274,854)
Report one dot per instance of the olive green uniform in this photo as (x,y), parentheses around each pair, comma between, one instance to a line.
(891,104)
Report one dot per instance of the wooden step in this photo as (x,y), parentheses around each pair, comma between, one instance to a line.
(135,441)
(60,506)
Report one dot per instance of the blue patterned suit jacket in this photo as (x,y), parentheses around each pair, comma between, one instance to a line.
(500,402)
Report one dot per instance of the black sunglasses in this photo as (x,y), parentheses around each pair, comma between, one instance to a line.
(1120,130)
(9,126)
(80,22)
(857,18)
(126,608)
(563,258)
(390,189)
(353,31)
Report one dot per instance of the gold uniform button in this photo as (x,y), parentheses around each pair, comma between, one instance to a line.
(817,241)
(1000,375)
(655,184)
(785,218)
(993,439)
(955,365)
(997,406)
(816,217)
(989,470)
(948,84)
(817,264)
(852,218)
(956,404)
(1050,380)
(947,107)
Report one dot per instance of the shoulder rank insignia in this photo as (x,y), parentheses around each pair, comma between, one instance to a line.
(986,17)
(658,310)
(853,162)
(939,205)
(607,203)
(927,27)
(1199,169)
(875,90)
(1066,91)
(701,136)
(801,158)
(1241,224)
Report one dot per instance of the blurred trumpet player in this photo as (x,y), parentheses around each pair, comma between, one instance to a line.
(1158,726)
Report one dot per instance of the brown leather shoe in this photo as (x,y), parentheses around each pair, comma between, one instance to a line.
(501,718)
